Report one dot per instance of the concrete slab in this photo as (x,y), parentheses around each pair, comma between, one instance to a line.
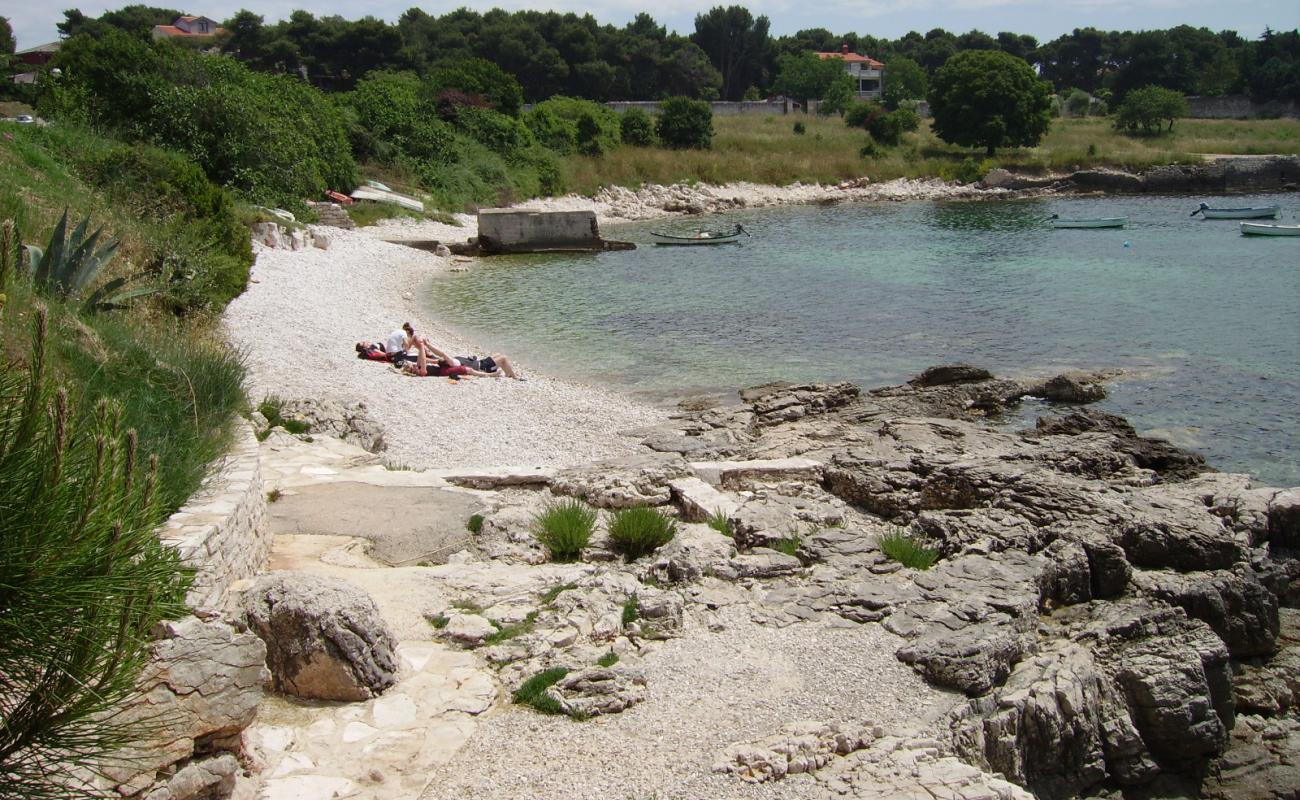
(406,525)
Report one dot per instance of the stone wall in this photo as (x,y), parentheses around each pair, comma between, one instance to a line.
(221,531)
(722,108)
(1239,106)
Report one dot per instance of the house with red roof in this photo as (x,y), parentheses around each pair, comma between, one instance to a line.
(868,74)
(187,26)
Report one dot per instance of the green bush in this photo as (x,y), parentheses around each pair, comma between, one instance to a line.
(570,125)
(607,660)
(631,610)
(800,129)
(637,128)
(481,77)
(475,524)
(532,692)
(639,531)
(1144,111)
(564,527)
(685,124)
(886,127)
(907,550)
(1077,102)
(968,170)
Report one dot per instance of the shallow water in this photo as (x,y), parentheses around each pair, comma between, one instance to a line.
(1206,321)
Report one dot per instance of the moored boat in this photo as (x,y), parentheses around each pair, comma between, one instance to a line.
(1266,229)
(1249,212)
(1093,222)
(700,237)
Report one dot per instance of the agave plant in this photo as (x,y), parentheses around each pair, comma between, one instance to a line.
(69,264)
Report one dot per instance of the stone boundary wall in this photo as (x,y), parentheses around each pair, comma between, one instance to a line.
(221,532)
(722,108)
(1239,106)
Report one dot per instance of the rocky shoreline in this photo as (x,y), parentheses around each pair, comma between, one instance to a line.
(1108,616)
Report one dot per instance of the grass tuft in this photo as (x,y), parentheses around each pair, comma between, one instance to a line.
(475,524)
(908,550)
(787,544)
(514,629)
(564,527)
(532,692)
(438,621)
(273,495)
(631,610)
(550,594)
(272,407)
(607,660)
(639,531)
(719,521)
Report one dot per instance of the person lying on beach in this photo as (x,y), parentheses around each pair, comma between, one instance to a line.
(429,365)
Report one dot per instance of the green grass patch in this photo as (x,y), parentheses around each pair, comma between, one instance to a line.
(631,610)
(532,692)
(787,544)
(907,549)
(512,630)
(719,521)
(274,495)
(475,524)
(438,621)
(564,527)
(272,407)
(365,213)
(550,594)
(639,531)
(467,607)
(607,660)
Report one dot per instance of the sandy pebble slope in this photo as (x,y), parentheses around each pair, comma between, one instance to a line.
(303,311)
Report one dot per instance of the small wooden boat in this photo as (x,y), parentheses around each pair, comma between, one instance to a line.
(1253,212)
(700,237)
(1094,222)
(1265,229)
(382,196)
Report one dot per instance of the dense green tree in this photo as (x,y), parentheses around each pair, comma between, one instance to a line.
(977,40)
(689,73)
(7,42)
(1146,110)
(737,44)
(989,99)
(685,124)
(806,76)
(838,95)
(904,80)
(637,128)
(482,77)
(1079,59)
(1018,45)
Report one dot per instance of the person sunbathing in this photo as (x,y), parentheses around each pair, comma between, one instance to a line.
(428,364)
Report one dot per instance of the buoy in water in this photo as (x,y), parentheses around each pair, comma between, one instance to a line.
(1127,243)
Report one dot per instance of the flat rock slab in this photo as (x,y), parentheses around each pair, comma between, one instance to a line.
(724,473)
(404,524)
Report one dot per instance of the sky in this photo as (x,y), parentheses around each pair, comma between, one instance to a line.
(33,22)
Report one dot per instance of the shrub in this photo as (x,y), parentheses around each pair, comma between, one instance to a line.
(635,532)
(477,76)
(969,170)
(800,129)
(637,128)
(1077,102)
(720,522)
(607,660)
(570,125)
(564,527)
(1146,110)
(532,692)
(685,124)
(907,550)
(83,572)
(475,524)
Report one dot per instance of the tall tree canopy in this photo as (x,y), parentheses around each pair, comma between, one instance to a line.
(737,44)
(985,98)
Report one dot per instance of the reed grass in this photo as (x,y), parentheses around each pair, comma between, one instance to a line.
(564,527)
(639,531)
(907,549)
(766,150)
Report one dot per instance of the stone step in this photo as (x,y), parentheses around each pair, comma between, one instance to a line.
(727,473)
(699,500)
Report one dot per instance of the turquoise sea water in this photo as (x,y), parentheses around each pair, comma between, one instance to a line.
(1205,321)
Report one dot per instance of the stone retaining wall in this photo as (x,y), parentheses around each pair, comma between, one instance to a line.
(1239,106)
(221,531)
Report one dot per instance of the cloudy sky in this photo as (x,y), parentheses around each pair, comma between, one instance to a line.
(34,22)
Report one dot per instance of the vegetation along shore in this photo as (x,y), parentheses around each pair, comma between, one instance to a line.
(213,516)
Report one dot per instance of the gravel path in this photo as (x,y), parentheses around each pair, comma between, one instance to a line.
(303,311)
(707,690)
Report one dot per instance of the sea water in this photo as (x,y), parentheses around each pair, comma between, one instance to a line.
(1204,321)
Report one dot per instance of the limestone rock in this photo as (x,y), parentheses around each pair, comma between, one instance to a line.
(325,638)
(442,251)
(800,747)
(1240,610)
(947,374)
(759,563)
(598,690)
(468,629)
(1284,519)
(350,422)
(1070,388)
(694,552)
(203,779)
(624,482)
(203,684)
(800,401)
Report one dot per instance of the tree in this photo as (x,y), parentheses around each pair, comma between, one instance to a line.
(904,80)
(738,46)
(807,76)
(690,74)
(637,128)
(7,43)
(984,98)
(482,77)
(1146,110)
(685,124)
(838,96)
